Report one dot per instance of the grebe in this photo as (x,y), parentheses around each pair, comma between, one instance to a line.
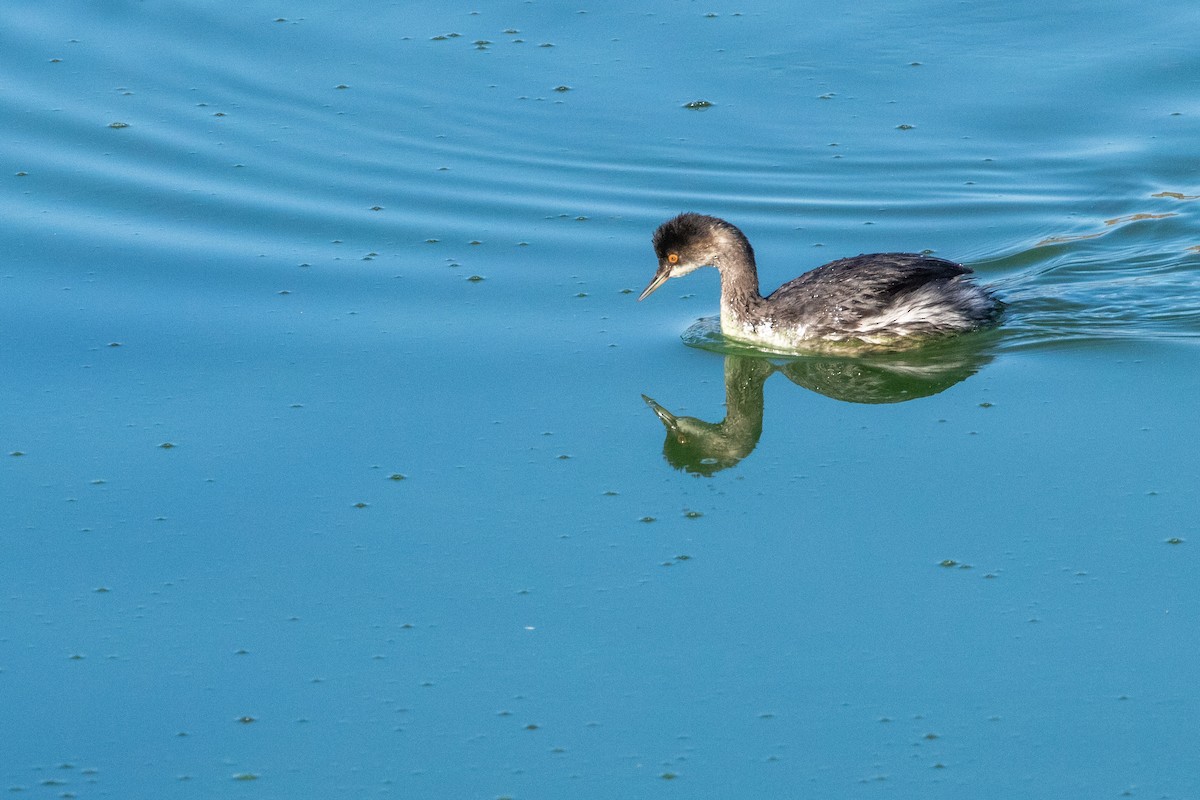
(880,301)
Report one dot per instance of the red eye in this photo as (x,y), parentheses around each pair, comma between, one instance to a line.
(673,258)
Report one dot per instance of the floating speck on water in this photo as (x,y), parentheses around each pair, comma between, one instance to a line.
(377,208)
(563,88)
(710,15)
(98,482)
(245,776)
(683,557)
(341,86)
(474,242)
(114,344)
(17,453)
(246,720)
(432,241)
(532,727)
(626,291)
(609,493)
(360,504)
(102,590)
(78,657)
(1174,540)
(118,124)
(916,64)
(693,514)
(546,44)
(581,219)
(284,291)
(905,127)
(949,562)
(647,519)
(827,96)
(985,405)
(475,278)
(22,174)
(511,31)
(563,457)
(931,736)
(698,104)
(582,294)
(396,476)
(669,776)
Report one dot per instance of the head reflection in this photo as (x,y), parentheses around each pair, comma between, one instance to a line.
(704,448)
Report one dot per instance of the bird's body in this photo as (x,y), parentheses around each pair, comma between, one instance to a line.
(882,300)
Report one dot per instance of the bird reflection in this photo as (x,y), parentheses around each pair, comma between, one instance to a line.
(705,448)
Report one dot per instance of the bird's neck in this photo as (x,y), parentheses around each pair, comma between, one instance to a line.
(744,379)
(739,280)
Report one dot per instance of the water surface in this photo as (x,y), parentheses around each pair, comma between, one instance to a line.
(330,470)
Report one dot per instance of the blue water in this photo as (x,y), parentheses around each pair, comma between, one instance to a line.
(324,461)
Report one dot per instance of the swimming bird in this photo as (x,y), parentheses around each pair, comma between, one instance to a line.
(875,301)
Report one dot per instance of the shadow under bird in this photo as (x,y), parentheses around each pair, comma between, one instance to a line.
(880,301)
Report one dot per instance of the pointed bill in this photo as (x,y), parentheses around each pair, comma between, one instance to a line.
(659,279)
(666,416)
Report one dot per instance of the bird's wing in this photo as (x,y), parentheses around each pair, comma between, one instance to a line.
(851,288)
